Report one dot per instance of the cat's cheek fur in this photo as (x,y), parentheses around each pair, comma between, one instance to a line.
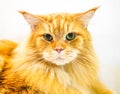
(60,58)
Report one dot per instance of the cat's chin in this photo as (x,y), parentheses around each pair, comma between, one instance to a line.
(60,61)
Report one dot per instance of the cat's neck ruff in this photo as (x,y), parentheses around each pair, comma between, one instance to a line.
(38,73)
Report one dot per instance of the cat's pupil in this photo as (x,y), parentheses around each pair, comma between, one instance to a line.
(70,36)
(48,37)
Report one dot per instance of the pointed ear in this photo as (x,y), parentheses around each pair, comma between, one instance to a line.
(32,20)
(86,16)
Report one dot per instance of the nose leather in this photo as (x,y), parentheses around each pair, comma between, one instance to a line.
(59,50)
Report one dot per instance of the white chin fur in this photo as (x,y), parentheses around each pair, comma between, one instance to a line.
(60,59)
(60,62)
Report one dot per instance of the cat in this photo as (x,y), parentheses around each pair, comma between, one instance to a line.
(56,58)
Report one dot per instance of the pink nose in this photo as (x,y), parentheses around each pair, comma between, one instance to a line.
(59,50)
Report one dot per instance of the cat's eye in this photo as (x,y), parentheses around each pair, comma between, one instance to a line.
(70,36)
(48,37)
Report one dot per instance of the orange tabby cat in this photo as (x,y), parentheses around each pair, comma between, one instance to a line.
(57,58)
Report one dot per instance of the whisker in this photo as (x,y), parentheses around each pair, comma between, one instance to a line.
(33,55)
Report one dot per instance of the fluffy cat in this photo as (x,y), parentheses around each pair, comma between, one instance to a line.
(57,58)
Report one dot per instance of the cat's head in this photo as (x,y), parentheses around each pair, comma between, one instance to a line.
(59,38)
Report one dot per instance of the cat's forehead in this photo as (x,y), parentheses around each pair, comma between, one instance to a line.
(57,17)
(60,23)
(57,23)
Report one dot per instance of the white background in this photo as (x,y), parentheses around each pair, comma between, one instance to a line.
(104,27)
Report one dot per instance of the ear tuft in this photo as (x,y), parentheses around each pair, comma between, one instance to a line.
(86,16)
(22,12)
(31,19)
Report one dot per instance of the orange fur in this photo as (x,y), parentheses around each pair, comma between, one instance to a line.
(6,48)
(33,68)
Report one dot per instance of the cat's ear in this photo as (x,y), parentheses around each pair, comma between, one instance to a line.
(32,20)
(86,16)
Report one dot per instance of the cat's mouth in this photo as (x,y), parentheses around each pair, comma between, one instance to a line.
(58,60)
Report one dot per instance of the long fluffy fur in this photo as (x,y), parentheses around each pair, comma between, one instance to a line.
(27,72)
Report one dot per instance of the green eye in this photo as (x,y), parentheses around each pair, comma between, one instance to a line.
(48,37)
(70,36)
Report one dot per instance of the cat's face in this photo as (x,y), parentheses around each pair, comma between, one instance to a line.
(59,45)
(59,38)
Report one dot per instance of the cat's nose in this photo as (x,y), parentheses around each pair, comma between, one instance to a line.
(59,49)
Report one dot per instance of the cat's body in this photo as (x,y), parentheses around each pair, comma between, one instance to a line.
(6,47)
(57,58)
